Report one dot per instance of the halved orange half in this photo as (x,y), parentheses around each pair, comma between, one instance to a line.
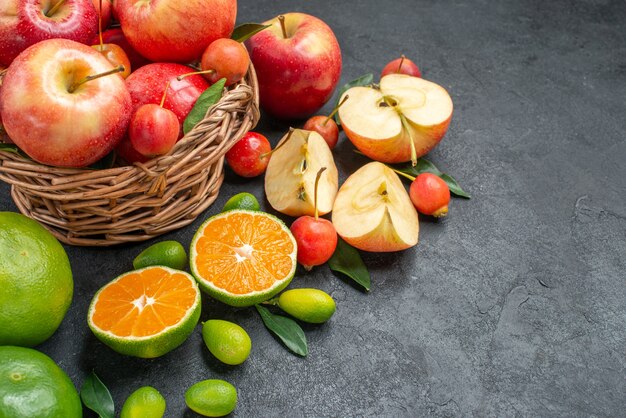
(243,257)
(147,312)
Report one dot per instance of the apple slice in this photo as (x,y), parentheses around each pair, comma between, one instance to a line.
(291,172)
(373,211)
(401,120)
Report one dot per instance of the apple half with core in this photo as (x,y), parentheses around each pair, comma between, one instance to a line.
(54,108)
(373,211)
(401,120)
(291,173)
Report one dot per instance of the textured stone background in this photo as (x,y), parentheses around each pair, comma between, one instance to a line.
(514,305)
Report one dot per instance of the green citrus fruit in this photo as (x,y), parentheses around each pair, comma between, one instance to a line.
(243,257)
(212,398)
(242,201)
(165,253)
(36,284)
(309,305)
(146,313)
(32,385)
(228,342)
(145,402)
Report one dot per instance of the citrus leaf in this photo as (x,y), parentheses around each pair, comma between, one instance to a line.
(97,397)
(347,260)
(207,99)
(364,80)
(286,329)
(246,31)
(425,166)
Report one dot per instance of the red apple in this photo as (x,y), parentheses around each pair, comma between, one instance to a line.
(225,58)
(116,56)
(153,130)
(250,155)
(59,120)
(174,30)
(107,9)
(298,65)
(401,65)
(25,22)
(116,36)
(128,153)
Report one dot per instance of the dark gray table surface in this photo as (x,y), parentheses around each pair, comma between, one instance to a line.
(512,306)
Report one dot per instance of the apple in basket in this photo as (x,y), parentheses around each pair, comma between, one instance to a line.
(25,22)
(63,103)
(175,30)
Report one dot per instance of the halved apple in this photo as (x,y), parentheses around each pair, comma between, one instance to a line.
(291,172)
(373,211)
(401,120)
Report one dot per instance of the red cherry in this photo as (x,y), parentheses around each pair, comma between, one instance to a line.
(153,130)
(430,195)
(401,65)
(316,239)
(250,155)
(227,59)
(324,126)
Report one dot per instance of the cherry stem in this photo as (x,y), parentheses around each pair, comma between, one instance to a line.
(267,154)
(336,109)
(100,24)
(180,77)
(402,58)
(76,85)
(317,181)
(54,8)
(165,93)
(281,19)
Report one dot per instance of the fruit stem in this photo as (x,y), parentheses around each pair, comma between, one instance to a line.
(409,131)
(272,302)
(317,181)
(402,58)
(336,109)
(100,24)
(54,8)
(267,154)
(165,93)
(281,19)
(180,77)
(403,174)
(76,85)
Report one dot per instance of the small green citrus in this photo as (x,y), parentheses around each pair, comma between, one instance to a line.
(309,305)
(32,385)
(145,402)
(242,201)
(36,284)
(212,398)
(228,342)
(165,253)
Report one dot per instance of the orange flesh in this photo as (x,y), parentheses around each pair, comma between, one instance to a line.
(144,303)
(243,253)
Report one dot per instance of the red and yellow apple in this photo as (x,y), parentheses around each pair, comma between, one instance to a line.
(298,65)
(53,114)
(175,30)
(401,120)
(373,211)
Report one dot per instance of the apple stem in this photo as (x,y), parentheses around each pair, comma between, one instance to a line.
(402,58)
(336,109)
(76,85)
(267,154)
(409,131)
(180,77)
(281,19)
(408,176)
(165,93)
(54,8)
(100,24)
(317,181)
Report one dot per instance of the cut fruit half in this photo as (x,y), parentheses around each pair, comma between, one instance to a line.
(373,211)
(400,121)
(243,257)
(146,313)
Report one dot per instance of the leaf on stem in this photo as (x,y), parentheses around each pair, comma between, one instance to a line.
(97,397)
(364,80)
(288,330)
(347,260)
(207,99)
(246,31)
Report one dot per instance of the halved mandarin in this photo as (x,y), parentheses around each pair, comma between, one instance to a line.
(147,312)
(243,257)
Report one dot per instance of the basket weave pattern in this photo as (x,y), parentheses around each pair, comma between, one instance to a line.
(135,203)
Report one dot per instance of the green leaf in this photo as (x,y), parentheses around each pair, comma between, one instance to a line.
(9,148)
(97,397)
(207,99)
(246,31)
(364,80)
(286,329)
(347,260)
(425,166)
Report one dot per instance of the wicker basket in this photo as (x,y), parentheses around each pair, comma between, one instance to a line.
(135,203)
